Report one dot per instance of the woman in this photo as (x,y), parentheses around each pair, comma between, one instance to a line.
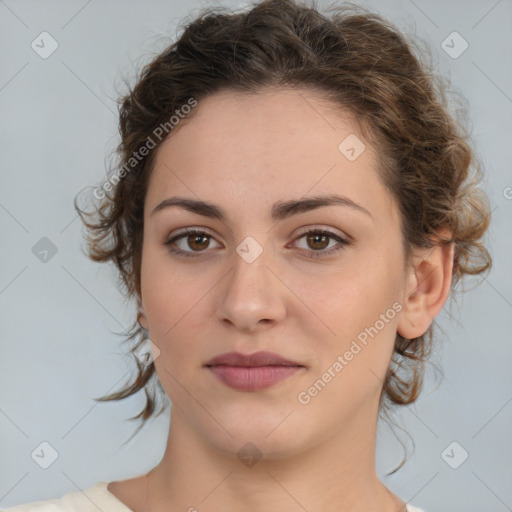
(292,207)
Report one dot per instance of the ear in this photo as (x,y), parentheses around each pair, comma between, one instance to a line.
(428,285)
(141,316)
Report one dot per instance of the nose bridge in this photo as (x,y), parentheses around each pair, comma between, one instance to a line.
(252,293)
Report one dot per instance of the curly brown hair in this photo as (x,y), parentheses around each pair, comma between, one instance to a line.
(360,62)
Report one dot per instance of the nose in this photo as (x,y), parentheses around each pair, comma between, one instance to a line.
(252,297)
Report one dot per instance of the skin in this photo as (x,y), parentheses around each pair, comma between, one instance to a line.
(243,153)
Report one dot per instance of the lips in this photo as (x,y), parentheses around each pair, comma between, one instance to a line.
(252,372)
(257,359)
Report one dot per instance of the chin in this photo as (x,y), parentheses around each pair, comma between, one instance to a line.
(258,435)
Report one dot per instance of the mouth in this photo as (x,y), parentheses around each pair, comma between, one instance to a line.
(252,378)
(252,372)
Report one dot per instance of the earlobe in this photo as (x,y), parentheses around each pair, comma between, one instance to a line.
(428,287)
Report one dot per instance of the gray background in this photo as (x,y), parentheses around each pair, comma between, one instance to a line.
(58,126)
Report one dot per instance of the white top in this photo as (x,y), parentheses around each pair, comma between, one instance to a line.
(92,499)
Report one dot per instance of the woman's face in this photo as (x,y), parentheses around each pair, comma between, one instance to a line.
(258,282)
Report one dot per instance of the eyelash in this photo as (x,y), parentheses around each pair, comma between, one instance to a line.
(312,254)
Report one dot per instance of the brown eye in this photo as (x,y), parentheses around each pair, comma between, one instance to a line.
(191,242)
(198,242)
(318,241)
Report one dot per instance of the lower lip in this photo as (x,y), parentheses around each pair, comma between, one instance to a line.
(252,378)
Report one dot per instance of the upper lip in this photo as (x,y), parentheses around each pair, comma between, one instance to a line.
(257,359)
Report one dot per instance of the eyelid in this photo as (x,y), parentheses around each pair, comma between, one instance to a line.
(323,227)
(302,231)
(189,230)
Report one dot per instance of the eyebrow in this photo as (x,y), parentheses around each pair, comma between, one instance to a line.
(280,210)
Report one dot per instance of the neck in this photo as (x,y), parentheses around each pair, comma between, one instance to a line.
(336,473)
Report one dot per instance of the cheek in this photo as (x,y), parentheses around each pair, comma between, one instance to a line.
(175,301)
(359,309)
(350,297)
(165,293)
(352,363)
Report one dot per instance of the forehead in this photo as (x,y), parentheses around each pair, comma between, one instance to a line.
(274,125)
(255,149)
